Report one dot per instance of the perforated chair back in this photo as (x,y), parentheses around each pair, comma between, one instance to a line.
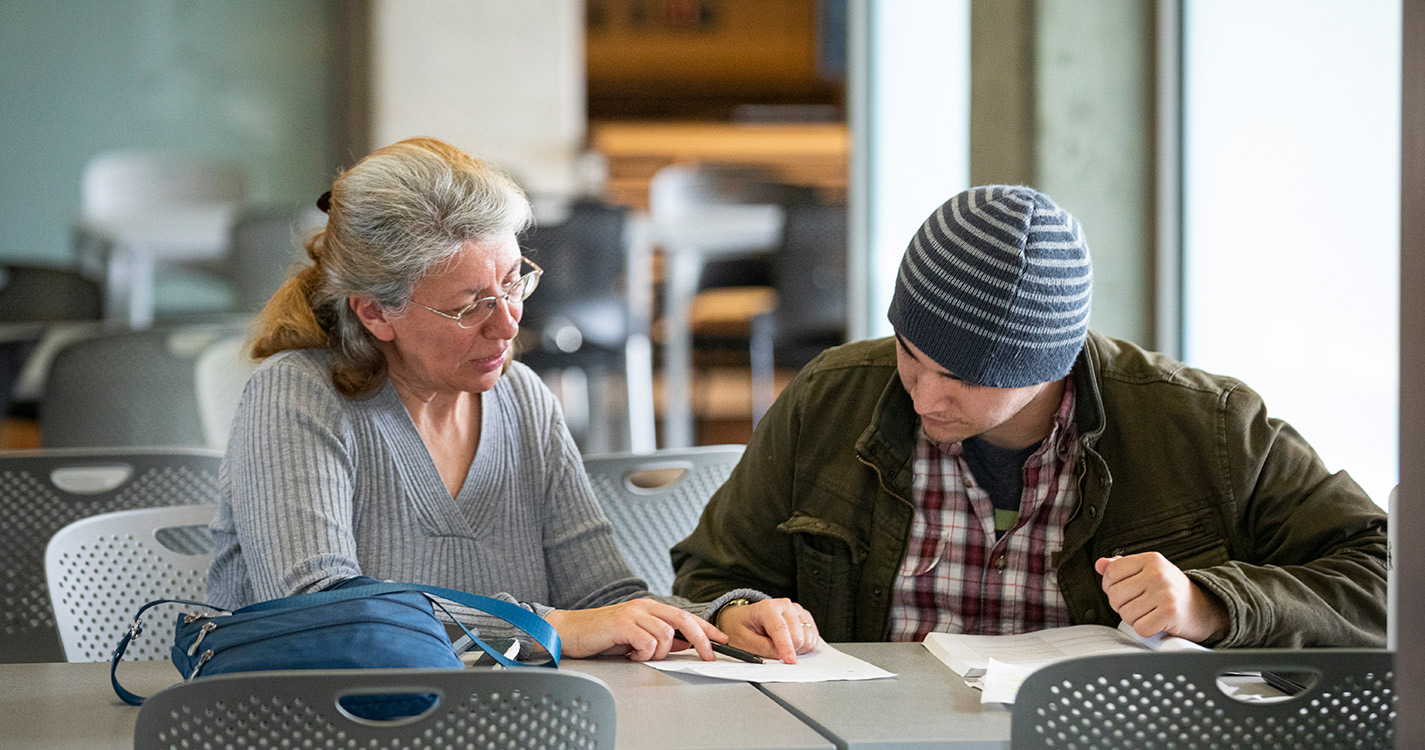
(1156,701)
(101,569)
(648,520)
(476,708)
(41,492)
(584,284)
(221,373)
(809,273)
(588,315)
(128,389)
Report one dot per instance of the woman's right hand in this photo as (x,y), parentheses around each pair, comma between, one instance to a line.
(643,629)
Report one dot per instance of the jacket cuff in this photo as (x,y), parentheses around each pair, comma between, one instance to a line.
(1234,609)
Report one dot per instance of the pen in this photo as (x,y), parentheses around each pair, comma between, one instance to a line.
(1289,683)
(726,650)
(735,652)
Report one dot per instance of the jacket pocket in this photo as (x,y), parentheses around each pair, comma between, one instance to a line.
(828,566)
(1188,547)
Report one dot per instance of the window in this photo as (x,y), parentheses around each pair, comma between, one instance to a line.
(1291,214)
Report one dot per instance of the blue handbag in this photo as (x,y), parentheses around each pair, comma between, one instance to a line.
(363,626)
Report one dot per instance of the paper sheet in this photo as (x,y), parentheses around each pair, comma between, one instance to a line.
(1001,680)
(825,664)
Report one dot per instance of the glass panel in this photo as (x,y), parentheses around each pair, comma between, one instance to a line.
(1292,216)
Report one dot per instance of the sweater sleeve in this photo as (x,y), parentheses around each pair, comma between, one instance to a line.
(292,475)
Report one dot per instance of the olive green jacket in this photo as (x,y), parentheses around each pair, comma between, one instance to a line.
(1173,459)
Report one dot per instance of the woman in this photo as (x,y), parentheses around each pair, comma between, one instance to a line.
(388,432)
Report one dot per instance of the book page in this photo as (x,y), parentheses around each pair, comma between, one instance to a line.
(1162,641)
(969,655)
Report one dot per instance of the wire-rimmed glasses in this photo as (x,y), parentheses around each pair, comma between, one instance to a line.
(478,312)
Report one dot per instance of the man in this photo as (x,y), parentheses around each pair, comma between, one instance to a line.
(995,467)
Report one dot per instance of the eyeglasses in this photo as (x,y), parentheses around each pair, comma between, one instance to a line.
(478,312)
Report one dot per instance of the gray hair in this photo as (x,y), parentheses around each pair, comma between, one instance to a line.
(397,216)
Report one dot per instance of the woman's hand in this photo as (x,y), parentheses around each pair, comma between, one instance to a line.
(643,629)
(778,628)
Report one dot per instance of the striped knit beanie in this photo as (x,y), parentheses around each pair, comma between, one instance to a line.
(995,288)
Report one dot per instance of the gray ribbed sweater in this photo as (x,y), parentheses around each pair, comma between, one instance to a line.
(317,487)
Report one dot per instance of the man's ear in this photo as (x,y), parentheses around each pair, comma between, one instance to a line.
(373,316)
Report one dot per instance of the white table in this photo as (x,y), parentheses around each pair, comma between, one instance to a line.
(925,706)
(134,244)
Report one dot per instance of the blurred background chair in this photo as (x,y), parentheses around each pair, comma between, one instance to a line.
(716,225)
(809,276)
(44,491)
(37,306)
(142,208)
(220,374)
(101,569)
(588,325)
(477,707)
(137,388)
(1172,700)
(35,293)
(654,501)
(265,242)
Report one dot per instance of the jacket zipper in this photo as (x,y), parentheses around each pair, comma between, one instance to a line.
(881,480)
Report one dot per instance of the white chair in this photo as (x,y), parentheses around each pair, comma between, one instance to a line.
(101,569)
(44,491)
(475,708)
(221,373)
(1155,700)
(141,207)
(655,500)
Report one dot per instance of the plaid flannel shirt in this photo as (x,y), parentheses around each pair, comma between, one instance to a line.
(956,577)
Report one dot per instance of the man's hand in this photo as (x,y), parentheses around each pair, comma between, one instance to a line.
(643,629)
(1153,596)
(778,628)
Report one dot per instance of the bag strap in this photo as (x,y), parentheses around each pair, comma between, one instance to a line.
(128,697)
(531,624)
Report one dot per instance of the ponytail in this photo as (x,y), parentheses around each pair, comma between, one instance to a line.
(287,321)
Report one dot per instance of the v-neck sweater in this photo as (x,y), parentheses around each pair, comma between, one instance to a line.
(317,487)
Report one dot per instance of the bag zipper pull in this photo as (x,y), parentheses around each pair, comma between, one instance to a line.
(207,628)
(201,661)
(193,617)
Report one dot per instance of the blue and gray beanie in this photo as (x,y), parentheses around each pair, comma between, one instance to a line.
(995,287)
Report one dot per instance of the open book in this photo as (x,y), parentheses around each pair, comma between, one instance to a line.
(997,664)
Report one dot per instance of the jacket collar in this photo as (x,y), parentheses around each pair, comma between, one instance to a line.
(1088,405)
(889,441)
